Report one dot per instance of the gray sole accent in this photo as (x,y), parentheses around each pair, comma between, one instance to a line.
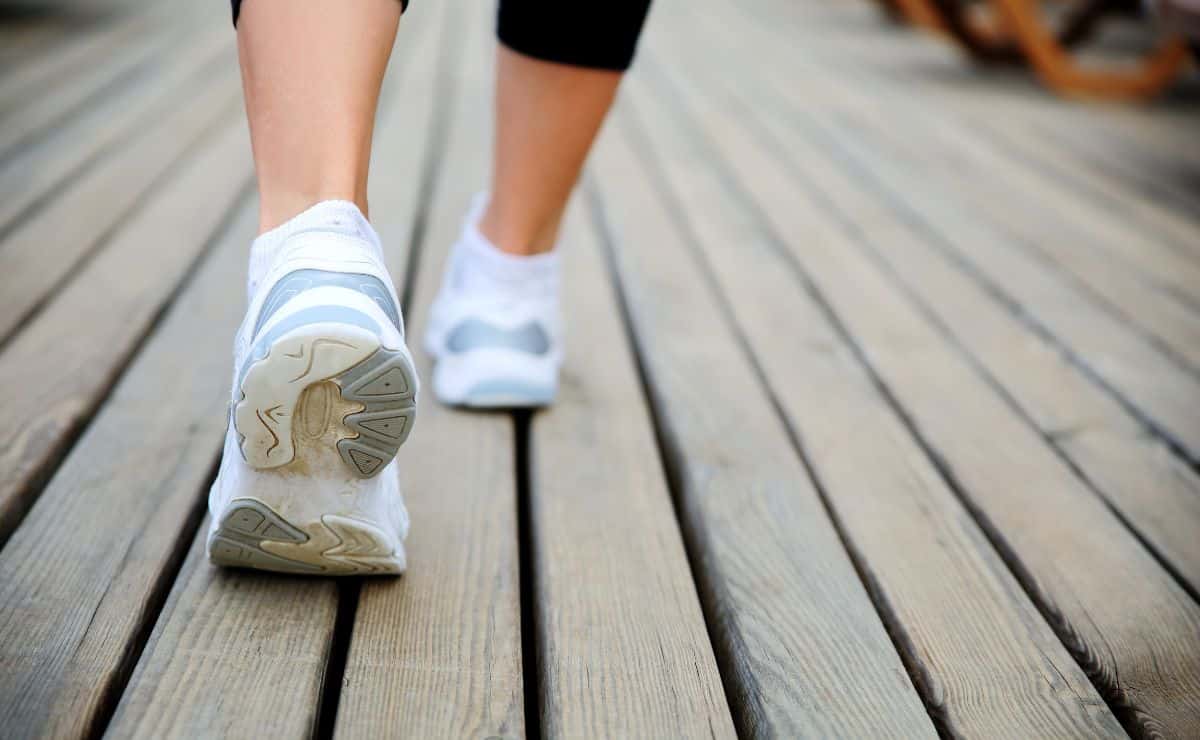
(385,383)
(238,539)
(352,547)
(295,283)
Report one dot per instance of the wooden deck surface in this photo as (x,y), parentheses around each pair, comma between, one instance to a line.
(880,415)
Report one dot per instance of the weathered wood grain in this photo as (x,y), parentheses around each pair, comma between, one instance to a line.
(1155,491)
(235,654)
(987,663)
(27,41)
(1148,140)
(437,653)
(111,128)
(1123,269)
(1060,163)
(1161,391)
(801,646)
(1164,393)
(1156,170)
(1143,282)
(124,56)
(1126,620)
(55,372)
(1125,158)
(83,214)
(82,47)
(83,575)
(622,646)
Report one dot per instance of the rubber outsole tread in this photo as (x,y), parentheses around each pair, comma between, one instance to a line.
(384,384)
(358,547)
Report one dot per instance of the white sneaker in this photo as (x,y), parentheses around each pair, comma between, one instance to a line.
(495,328)
(324,393)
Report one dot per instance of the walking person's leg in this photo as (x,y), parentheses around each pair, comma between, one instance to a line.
(547,115)
(495,327)
(311,72)
(324,388)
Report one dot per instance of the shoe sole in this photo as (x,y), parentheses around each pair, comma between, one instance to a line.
(251,534)
(378,381)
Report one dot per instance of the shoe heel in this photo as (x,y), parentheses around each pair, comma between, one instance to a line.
(370,418)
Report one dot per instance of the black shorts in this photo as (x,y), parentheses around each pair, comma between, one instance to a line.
(594,34)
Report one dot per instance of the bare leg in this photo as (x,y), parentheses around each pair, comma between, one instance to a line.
(547,116)
(311,72)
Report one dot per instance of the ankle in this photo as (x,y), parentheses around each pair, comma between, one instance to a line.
(516,237)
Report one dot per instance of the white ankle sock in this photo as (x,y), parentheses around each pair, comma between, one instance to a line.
(334,216)
(479,265)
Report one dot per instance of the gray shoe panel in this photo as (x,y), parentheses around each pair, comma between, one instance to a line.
(295,283)
(385,384)
(478,334)
(312,315)
(509,393)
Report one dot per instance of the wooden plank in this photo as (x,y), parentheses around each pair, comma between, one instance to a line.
(34,37)
(112,125)
(81,217)
(989,665)
(1090,135)
(59,368)
(1125,271)
(1157,493)
(1135,283)
(236,653)
(407,141)
(1127,360)
(123,61)
(802,649)
(1128,364)
(850,37)
(82,577)
(246,658)
(1173,226)
(1060,160)
(622,645)
(1131,366)
(1156,169)
(437,653)
(1043,202)
(1134,258)
(86,45)
(1131,626)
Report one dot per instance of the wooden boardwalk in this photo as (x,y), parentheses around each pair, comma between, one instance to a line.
(880,417)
